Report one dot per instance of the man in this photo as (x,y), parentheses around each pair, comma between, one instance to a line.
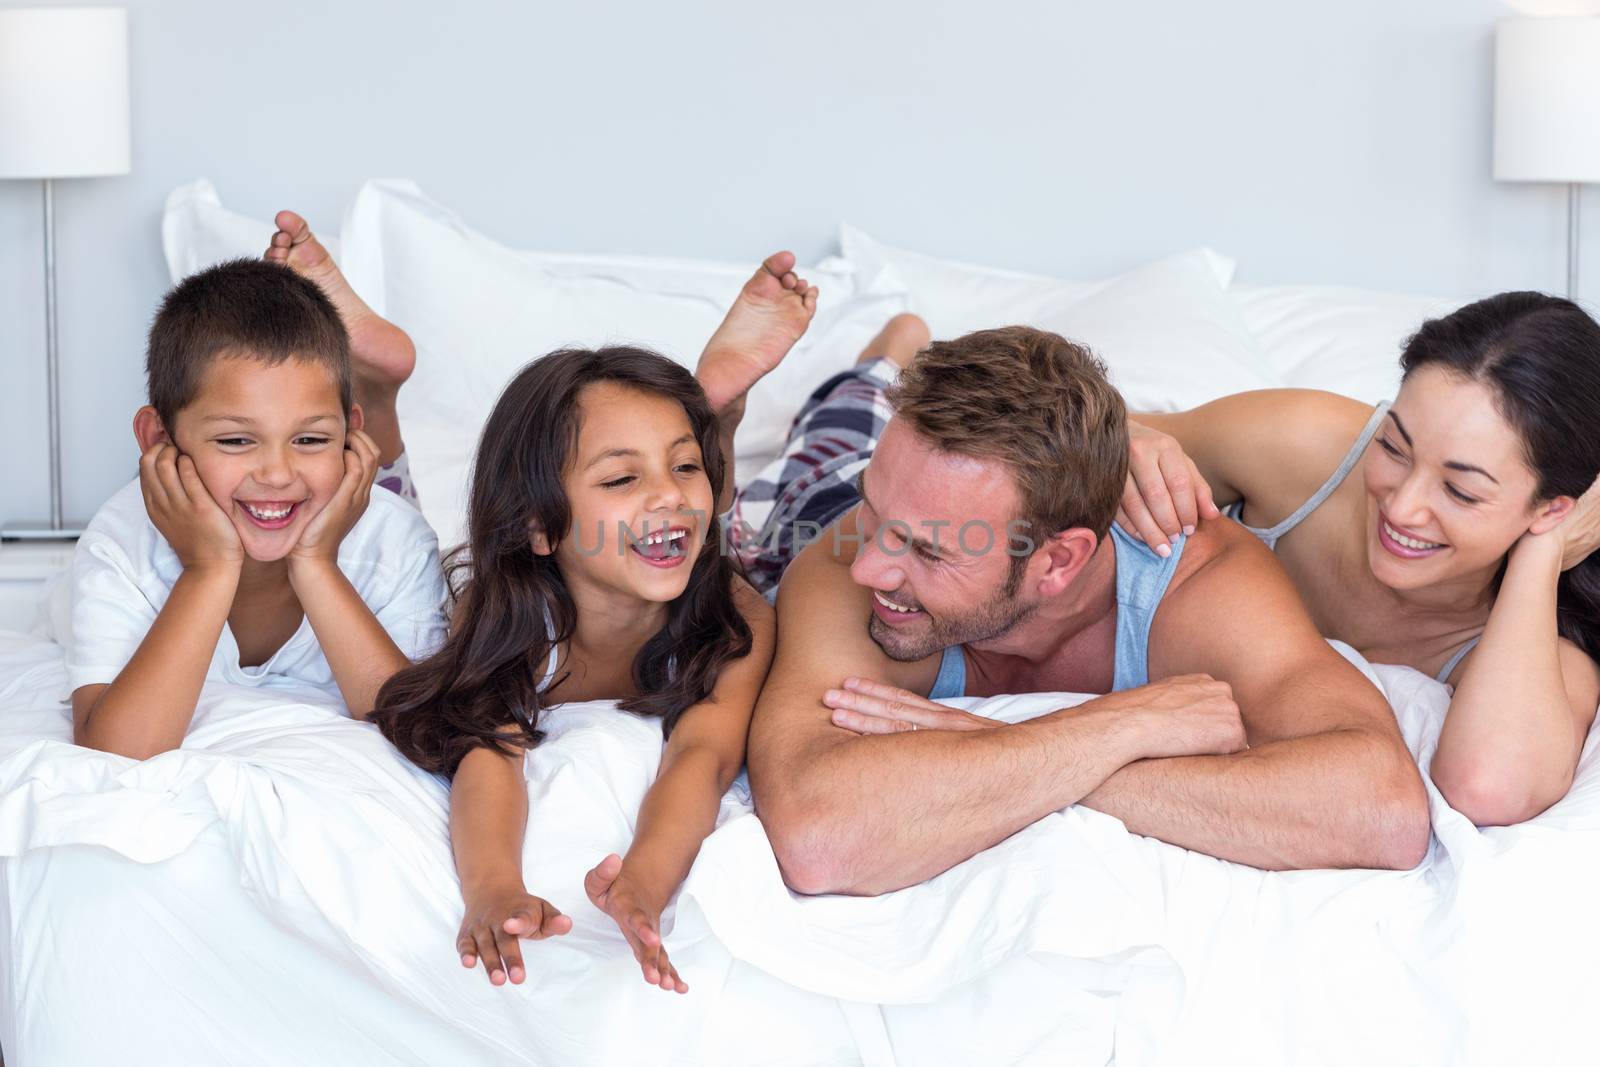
(972,552)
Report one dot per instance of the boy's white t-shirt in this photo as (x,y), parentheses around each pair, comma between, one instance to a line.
(124,570)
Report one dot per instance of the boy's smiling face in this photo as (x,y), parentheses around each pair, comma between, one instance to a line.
(268,443)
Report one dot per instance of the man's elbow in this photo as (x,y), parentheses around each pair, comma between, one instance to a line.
(1404,827)
(810,859)
(812,846)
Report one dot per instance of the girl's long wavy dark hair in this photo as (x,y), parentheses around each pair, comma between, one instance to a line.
(511,606)
(1541,357)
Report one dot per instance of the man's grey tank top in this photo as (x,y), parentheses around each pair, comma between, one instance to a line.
(1269,535)
(1142,580)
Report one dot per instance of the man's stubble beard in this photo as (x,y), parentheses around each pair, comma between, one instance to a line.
(998,616)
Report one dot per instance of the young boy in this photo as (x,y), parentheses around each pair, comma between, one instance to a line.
(251,550)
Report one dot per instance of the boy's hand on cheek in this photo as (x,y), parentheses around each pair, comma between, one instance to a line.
(327,529)
(181,507)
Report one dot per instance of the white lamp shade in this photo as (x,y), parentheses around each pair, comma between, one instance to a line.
(63,92)
(1556,7)
(1547,100)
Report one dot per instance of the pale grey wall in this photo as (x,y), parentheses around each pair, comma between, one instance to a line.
(1315,140)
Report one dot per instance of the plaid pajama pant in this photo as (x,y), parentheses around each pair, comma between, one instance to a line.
(396,477)
(799,494)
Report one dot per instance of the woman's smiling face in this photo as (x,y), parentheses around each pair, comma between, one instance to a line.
(1449,489)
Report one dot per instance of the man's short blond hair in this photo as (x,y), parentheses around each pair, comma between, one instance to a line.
(1037,403)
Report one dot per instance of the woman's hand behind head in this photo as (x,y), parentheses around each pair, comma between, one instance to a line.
(1580,530)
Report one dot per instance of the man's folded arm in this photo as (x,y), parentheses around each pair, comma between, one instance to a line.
(864,814)
(1327,781)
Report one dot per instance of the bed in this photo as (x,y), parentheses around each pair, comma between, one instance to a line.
(281,890)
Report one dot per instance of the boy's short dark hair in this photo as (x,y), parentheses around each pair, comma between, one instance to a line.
(245,308)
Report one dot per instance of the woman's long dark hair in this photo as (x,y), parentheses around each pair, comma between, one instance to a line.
(511,606)
(1541,357)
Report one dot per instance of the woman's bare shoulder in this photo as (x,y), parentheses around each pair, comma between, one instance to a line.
(1312,421)
(1285,443)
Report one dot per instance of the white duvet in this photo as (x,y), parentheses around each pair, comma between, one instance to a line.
(281,891)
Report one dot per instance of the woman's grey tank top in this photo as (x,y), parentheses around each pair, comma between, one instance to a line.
(1269,535)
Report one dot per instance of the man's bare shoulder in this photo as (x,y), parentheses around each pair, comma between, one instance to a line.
(1220,545)
(817,581)
(823,615)
(1228,587)
(831,554)
(1236,616)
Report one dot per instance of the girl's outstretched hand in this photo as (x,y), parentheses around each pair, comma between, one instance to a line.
(637,917)
(497,919)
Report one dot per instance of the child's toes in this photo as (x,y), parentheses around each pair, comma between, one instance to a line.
(290,223)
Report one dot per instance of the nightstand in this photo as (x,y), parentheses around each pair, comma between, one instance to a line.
(26,567)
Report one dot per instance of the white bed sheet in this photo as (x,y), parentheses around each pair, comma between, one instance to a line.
(281,890)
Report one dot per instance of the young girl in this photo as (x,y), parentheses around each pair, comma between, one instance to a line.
(593,570)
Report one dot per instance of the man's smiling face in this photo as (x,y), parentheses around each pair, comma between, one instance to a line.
(935,550)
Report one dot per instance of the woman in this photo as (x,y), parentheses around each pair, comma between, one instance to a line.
(1462,545)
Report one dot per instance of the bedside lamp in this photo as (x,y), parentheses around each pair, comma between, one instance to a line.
(63,114)
(1547,110)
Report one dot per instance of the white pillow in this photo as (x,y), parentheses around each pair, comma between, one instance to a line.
(1340,339)
(956,298)
(478,312)
(198,232)
(1167,333)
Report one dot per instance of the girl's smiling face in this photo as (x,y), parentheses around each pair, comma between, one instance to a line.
(268,443)
(640,499)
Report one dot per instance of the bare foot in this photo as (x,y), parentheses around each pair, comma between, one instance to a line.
(770,314)
(381,354)
(901,338)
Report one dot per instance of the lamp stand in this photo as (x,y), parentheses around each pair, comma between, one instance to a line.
(56,529)
(1574,200)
